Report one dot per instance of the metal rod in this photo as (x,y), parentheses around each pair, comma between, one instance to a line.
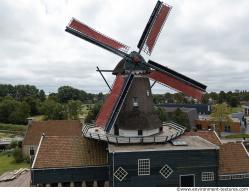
(153,84)
(103,78)
(105,70)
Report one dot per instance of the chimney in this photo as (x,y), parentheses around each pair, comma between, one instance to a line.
(30,120)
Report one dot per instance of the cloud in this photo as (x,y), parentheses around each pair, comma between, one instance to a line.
(206,40)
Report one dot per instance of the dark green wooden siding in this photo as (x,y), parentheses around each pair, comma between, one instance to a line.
(45,176)
(181,162)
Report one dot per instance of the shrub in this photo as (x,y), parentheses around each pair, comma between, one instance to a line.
(17,154)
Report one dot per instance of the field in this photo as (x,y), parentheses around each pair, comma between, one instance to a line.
(11,130)
(7,163)
(237,136)
(12,127)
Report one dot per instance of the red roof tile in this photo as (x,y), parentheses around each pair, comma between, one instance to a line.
(207,135)
(51,128)
(233,158)
(64,152)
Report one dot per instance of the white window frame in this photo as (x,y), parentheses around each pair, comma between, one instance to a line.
(143,167)
(180,179)
(246,176)
(238,176)
(207,176)
(122,175)
(31,148)
(224,177)
(169,171)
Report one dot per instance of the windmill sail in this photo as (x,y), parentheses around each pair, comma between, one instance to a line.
(154,27)
(87,33)
(176,80)
(113,103)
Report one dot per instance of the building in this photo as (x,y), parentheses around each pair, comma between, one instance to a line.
(200,108)
(246,109)
(231,127)
(70,161)
(192,159)
(49,128)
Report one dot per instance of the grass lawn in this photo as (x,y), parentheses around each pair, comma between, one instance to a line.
(237,136)
(8,164)
(39,118)
(236,109)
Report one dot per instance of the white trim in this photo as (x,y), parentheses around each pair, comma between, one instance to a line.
(225,177)
(166,166)
(242,143)
(207,176)
(238,176)
(33,164)
(246,176)
(233,176)
(113,168)
(123,173)
(186,175)
(143,169)
(217,136)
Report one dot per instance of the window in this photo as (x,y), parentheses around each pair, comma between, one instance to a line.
(207,176)
(143,167)
(187,180)
(237,176)
(246,175)
(135,102)
(120,174)
(31,151)
(140,132)
(166,171)
(54,185)
(225,177)
(65,184)
(148,93)
(89,183)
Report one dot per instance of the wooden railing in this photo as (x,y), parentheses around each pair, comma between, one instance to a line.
(138,139)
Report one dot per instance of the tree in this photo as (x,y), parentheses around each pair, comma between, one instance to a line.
(53,110)
(74,109)
(17,154)
(181,118)
(220,113)
(222,97)
(233,101)
(20,114)
(92,114)
(42,95)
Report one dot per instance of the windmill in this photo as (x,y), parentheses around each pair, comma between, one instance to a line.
(129,109)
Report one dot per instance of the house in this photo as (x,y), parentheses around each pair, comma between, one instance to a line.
(205,123)
(246,109)
(196,158)
(200,108)
(49,128)
(70,161)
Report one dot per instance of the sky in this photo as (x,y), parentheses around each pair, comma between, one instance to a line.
(205,40)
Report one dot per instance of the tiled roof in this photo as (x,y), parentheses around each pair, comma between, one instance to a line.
(207,135)
(65,152)
(51,128)
(233,159)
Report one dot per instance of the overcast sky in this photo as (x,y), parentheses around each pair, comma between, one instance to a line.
(205,40)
